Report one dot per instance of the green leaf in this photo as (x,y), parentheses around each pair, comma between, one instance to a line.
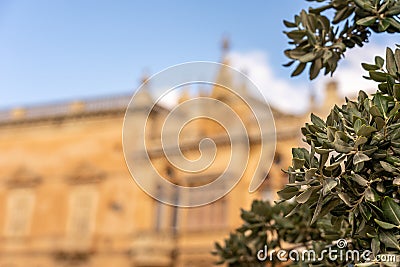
(385,225)
(390,62)
(383,25)
(315,68)
(323,150)
(389,239)
(394,23)
(317,210)
(339,45)
(324,22)
(369,67)
(366,130)
(371,195)
(366,5)
(296,34)
(342,147)
(374,110)
(360,141)
(380,123)
(367,21)
(375,246)
(329,184)
(379,61)
(396,91)
(394,110)
(383,7)
(391,210)
(334,165)
(360,157)
(358,167)
(310,173)
(365,211)
(328,206)
(369,150)
(303,197)
(362,96)
(345,198)
(299,69)
(288,192)
(307,57)
(317,121)
(381,102)
(378,76)
(298,163)
(299,152)
(394,10)
(380,187)
(290,63)
(359,179)
(397,58)
(384,88)
(388,167)
(289,24)
(357,125)
(322,161)
(293,211)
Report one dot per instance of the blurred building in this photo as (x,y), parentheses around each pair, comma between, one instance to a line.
(67,197)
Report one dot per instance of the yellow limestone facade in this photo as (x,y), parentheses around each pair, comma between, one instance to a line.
(68,199)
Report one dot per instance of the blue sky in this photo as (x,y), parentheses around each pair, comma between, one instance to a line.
(56,50)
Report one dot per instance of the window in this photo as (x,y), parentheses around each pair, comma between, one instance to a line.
(20,205)
(211,216)
(160,210)
(82,211)
(166,216)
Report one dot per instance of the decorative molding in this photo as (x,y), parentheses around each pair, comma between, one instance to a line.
(72,258)
(85,173)
(23,177)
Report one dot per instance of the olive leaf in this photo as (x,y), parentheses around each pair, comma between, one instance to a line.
(391,210)
(346,184)
(319,39)
(385,225)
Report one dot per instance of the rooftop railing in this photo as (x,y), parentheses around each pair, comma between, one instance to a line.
(103,104)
